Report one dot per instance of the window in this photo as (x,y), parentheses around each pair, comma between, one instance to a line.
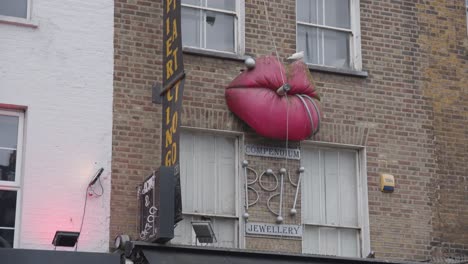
(328,32)
(209,187)
(334,203)
(11,135)
(15,9)
(212,24)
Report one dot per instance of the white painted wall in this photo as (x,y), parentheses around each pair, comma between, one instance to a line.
(62,71)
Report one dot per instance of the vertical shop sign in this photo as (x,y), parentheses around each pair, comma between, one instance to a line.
(156,211)
(161,205)
(173,87)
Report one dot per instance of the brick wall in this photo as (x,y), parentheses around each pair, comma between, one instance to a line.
(445,73)
(390,113)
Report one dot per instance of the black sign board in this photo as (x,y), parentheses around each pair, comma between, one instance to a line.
(173,88)
(156,211)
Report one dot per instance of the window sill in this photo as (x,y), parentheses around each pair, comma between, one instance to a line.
(214,54)
(347,72)
(16,21)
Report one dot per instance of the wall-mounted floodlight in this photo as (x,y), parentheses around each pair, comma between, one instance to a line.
(204,231)
(65,239)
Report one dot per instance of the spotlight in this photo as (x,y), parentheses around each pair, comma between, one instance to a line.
(204,231)
(65,239)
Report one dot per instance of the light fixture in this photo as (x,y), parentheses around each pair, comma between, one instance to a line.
(96,176)
(204,231)
(210,19)
(120,241)
(65,239)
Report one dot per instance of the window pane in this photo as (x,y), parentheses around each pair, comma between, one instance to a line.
(331,186)
(303,11)
(349,243)
(191,27)
(337,13)
(336,48)
(7,208)
(310,11)
(14,8)
(192,2)
(222,4)
(8,131)
(208,176)
(331,241)
(225,232)
(7,165)
(6,238)
(219,31)
(348,187)
(310,240)
(307,41)
(312,187)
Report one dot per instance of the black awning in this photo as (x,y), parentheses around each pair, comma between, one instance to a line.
(27,256)
(159,254)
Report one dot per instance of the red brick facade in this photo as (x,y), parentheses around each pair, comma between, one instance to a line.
(410,114)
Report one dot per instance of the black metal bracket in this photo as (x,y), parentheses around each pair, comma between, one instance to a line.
(158,90)
(156,97)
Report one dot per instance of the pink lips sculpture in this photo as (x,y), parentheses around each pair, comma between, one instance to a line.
(254,96)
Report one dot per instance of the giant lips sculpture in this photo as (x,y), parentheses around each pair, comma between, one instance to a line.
(268,92)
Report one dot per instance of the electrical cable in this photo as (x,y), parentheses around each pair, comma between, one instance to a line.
(82,218)
(273,40)
(102,189)
(87,194)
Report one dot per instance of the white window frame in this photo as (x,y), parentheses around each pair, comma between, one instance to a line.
(355,58)
(16,185)
(239,142)
(363,202)
(19,20)
(239,27)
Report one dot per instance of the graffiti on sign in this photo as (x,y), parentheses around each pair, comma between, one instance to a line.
(149,212)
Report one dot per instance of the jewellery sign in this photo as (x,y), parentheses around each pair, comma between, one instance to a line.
(273,229)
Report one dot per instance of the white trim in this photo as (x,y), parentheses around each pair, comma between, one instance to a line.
(365,231)
(240,199)
(19,199)
(7,148)
(211,215)
(324,144)
(355,47)
(325,27)
(16,185)
(333,226)
(229,12)
(214,131)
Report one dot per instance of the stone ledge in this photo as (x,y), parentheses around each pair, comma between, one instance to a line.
(347,72)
